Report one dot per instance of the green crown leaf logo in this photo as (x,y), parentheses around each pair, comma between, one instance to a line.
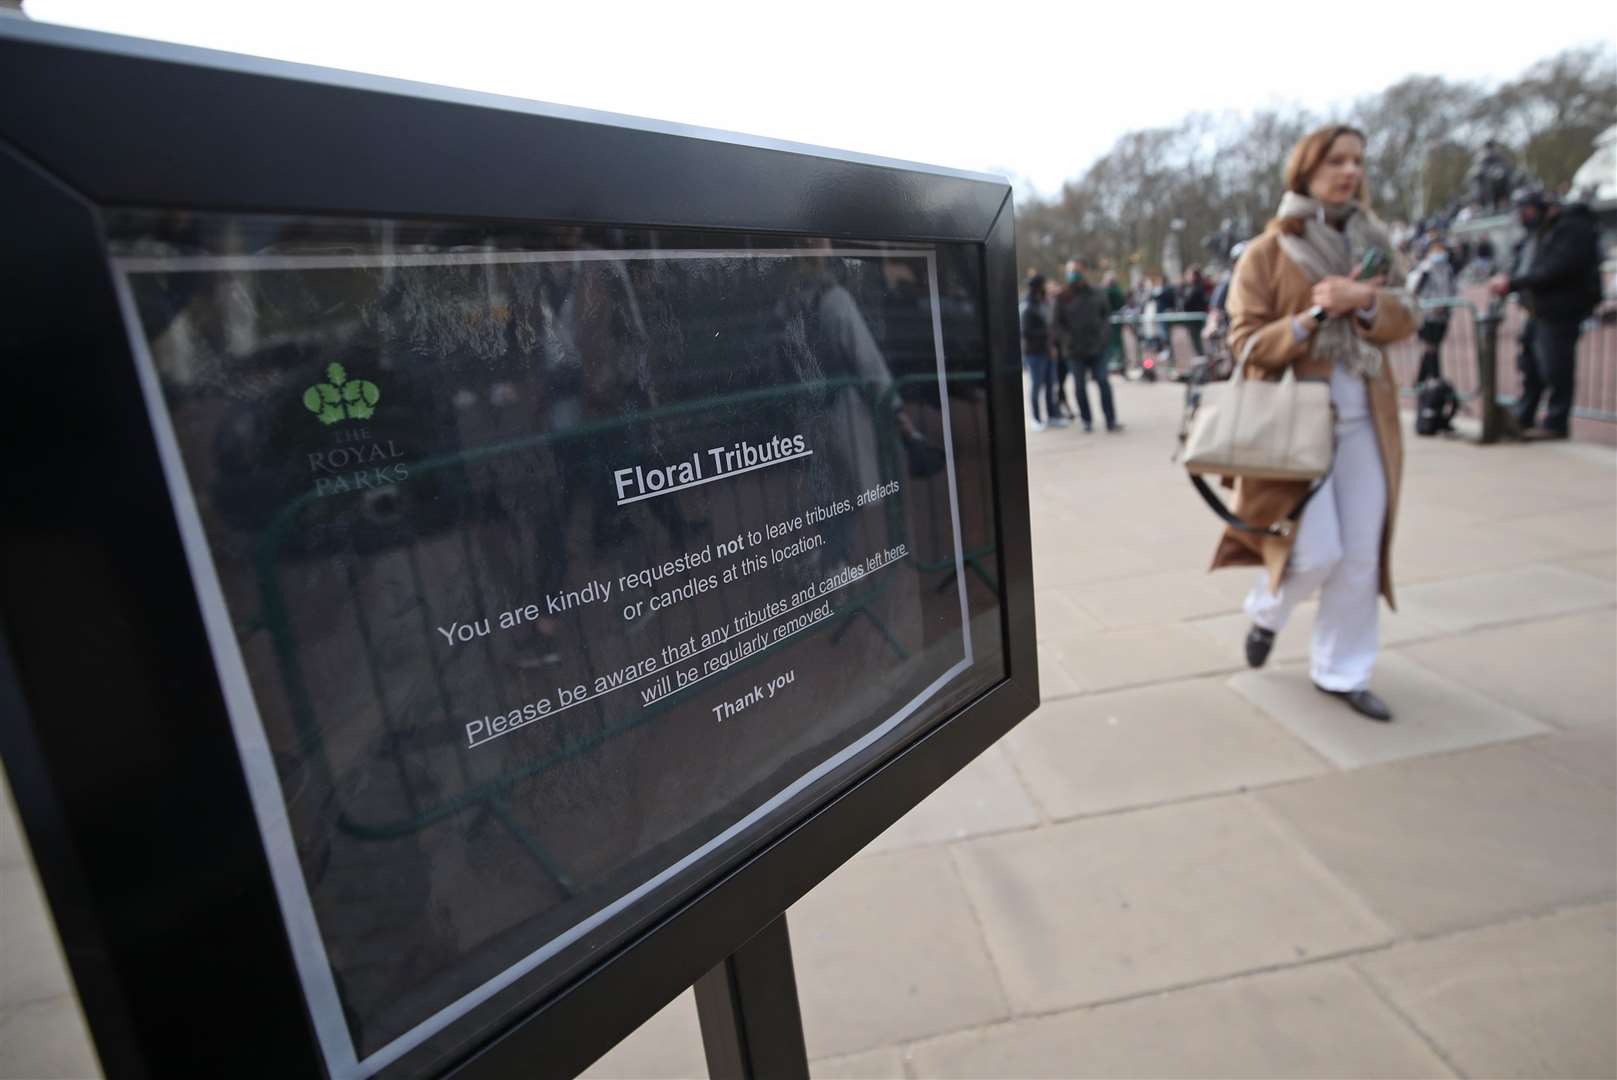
(341,398)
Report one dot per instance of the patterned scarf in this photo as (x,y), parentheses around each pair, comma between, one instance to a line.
(1333,243)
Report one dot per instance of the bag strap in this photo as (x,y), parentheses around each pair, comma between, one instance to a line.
(1284,527)
(1197,378)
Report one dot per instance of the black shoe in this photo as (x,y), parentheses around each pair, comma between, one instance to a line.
(1362,702)
(1114,427)
(1258,643)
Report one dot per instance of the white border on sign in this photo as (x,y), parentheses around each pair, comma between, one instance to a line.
(263,783)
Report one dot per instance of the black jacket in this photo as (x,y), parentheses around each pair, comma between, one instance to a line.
(1035,318)
(1083,321)
(1195,297)
(1563,282)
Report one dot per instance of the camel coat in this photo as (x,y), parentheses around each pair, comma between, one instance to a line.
(1268,290)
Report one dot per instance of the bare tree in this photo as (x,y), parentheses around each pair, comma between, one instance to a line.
(1424,132)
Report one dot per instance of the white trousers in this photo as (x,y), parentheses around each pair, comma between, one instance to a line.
(1337,553)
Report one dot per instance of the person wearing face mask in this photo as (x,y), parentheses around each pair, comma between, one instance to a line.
(1556,274)
(1295,302)
(1083,322)
(1433,279)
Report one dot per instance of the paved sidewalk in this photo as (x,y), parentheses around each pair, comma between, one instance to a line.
(1179,867)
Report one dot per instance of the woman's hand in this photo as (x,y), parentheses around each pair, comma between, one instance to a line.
(1340,295)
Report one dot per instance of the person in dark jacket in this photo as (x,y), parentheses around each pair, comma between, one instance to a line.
(1116,299)
(1194,302)
(1035,316)
(1059,409)
(1556,275)
(1083,322)
(1164,301)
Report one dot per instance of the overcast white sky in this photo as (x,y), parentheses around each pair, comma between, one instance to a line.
(947,84)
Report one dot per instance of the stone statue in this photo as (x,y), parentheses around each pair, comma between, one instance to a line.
(1491,178)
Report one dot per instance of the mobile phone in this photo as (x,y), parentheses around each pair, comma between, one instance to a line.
(1375,263)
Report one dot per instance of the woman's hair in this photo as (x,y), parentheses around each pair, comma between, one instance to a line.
(1306,158)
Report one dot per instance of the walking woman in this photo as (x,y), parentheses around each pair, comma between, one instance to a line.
(1035,317)
(1295,302)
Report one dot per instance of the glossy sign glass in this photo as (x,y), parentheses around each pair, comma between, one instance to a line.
(550,570)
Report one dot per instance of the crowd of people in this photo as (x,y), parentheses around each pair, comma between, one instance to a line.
(1074,329)
(1473,261)
(1441,270)
(1067,329)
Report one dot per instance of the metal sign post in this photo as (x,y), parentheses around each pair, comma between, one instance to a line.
(1497,421)
(752,1028)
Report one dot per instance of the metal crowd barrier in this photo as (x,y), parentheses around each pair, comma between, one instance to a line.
(1136,324)
(1478,356)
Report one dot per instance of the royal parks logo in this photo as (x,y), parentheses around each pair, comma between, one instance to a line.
(340,398)
(356,460)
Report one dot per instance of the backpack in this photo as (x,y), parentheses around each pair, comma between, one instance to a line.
(1435,406)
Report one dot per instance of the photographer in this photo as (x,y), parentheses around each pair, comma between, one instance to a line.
(1556,275)
(1433,279)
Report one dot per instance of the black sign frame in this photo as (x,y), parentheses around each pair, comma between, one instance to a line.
(148,848)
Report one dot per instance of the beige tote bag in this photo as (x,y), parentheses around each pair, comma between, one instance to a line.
(1261,429)
(1264,430)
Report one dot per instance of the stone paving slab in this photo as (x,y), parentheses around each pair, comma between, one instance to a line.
(1057,609)
(1525,592)
(1587,529)
(1125,904)
(1431,714)
(1420,517)
(1581,470)
(1059,560)
(984,797)
(666,1047)
(888,949)
(1589,752)
(1419,559)
(1600,566)
(1527,999)
(1172,546)
(1229,633)
(13,851)
(1055,681)
(1513,491)
(1233,583)
(1153,598)
(1541,669)
(669,1047)
(884,1064)
(1151,745)
(1454,841)
(1120,658)
(29,955)
(1316,1021)
(46,1040)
